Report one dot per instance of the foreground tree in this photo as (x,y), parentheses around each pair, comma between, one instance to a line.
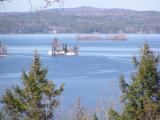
(95,116)
(141,98)
(36,99)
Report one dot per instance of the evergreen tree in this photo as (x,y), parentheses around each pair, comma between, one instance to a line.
(113,115)
(142,97)
(95,116)
(123,84)
(36,99)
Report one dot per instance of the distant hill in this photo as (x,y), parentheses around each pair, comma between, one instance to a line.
(81,20)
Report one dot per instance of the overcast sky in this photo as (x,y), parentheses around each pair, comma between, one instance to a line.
(23,5)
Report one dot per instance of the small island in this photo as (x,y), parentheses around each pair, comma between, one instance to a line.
(3,49)
(62,49)
(89,37)
(117,37)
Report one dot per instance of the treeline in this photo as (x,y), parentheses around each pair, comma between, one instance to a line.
(81,20)
(38,98)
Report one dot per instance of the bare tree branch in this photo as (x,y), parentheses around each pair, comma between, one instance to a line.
(49,3)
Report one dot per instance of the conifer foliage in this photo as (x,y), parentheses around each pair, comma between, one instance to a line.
(141,98)
(36,99)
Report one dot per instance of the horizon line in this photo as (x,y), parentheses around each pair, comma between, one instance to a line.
(51,8)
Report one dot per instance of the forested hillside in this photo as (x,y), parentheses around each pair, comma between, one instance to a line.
(81,20)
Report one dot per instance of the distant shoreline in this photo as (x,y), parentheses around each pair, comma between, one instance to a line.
(78,33)
(81,20)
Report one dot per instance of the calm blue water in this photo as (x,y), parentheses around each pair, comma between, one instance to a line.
(91,76)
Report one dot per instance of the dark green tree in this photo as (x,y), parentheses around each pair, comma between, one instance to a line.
(123,84)
(36,99)
(113,115)
(141,98)
(95,116)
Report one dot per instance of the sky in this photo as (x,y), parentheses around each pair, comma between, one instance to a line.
(140,5)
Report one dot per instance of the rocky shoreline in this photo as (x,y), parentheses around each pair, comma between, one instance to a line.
(3,49)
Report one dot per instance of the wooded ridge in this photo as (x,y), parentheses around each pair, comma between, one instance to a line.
(80,20)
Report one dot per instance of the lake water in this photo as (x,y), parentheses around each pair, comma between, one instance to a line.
(92,76)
